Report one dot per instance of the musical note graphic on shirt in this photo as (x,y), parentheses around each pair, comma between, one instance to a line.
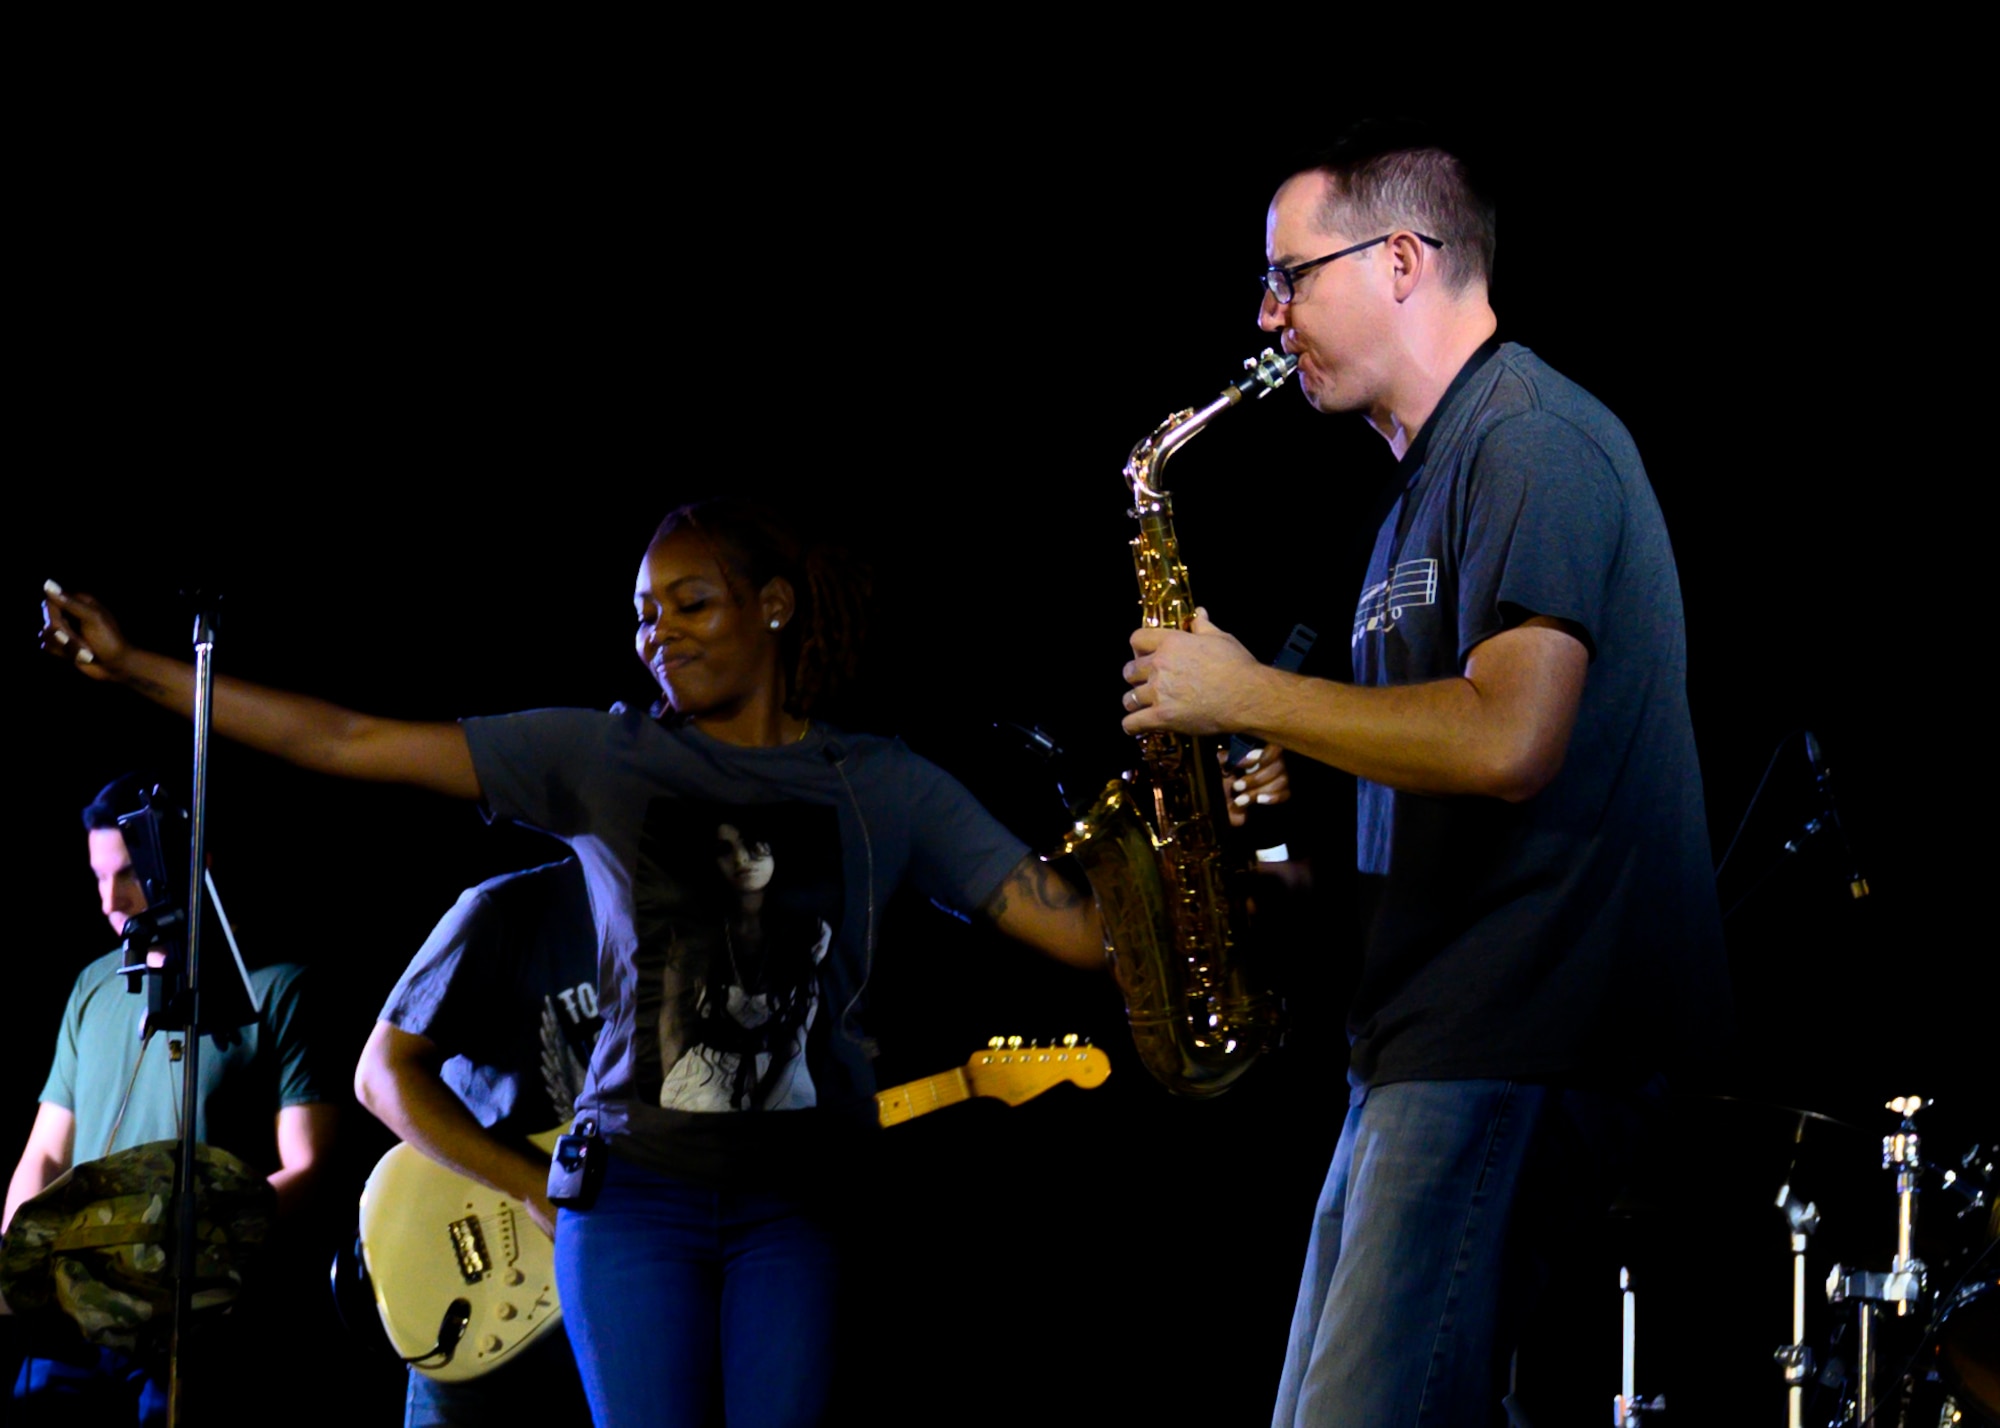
(1412,582)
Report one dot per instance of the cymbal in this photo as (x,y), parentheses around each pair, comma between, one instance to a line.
(1802,1115)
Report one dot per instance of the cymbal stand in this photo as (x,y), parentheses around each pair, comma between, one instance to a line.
(1903,1285)
(1795,1359)
(1628,1408)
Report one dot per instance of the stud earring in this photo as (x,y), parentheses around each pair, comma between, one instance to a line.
(777,624)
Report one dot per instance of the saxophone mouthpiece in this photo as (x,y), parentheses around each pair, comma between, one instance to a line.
(1264,373)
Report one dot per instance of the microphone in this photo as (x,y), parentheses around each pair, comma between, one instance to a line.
(1830,813)
(1819,768)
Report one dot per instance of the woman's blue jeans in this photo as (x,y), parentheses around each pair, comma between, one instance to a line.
(688,1305)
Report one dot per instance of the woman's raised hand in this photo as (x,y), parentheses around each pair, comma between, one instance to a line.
(297,728)
(78,629)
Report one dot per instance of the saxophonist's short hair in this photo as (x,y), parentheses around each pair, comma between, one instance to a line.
(1388,174)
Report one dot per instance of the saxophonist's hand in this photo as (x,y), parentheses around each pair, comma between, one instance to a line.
(1187,680)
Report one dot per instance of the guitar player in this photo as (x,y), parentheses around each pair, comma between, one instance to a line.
(483,1042)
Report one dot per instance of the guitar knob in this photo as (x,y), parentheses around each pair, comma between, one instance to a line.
(513,1276)
(504,1310)
(489,1343)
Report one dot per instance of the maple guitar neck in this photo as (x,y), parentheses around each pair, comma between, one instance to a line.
(921,1097)
(1009,1070)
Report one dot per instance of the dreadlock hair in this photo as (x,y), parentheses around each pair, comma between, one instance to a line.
(1386,174)
(820,646)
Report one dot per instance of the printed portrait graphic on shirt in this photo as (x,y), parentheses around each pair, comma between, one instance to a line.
(735,907)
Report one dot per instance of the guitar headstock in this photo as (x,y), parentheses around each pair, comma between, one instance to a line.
(1014,1070)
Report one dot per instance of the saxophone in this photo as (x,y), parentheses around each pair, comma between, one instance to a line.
(1174,934)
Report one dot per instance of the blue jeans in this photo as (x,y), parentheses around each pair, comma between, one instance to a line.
(110,1388)
(538,1387)
(1397,1309)
(684,1303)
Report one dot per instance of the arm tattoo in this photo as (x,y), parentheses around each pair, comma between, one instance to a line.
(1053,890)
(1037,882)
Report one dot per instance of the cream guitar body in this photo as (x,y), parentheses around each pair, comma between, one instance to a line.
(464,1280)
(434,1240)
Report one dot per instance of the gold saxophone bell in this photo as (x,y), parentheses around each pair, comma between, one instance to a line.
(1174,933)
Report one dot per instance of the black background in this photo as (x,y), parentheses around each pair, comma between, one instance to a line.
(412,379)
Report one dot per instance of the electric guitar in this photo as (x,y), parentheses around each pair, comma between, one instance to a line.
(464,1280)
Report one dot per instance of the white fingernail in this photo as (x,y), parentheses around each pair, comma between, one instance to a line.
(1265,798)
(1243,800)
(85,657)
(1255,756)
(1239,785)
(62,636)
(49,587)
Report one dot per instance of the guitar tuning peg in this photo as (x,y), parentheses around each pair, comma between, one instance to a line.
(1069,1040)
(994,1043)
(1014,1043)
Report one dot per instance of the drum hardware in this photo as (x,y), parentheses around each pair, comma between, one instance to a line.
(1966,1333)
(1899,1152)
(1903,1285)
(1628,1410)
(1971,1190)
(1795,1360)
(1963,1336)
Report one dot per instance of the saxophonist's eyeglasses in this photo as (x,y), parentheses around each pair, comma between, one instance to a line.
(1283,283)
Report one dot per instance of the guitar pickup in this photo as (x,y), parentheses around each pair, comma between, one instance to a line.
(468,1242)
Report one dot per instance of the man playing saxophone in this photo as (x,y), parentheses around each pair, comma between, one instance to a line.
(1545,938)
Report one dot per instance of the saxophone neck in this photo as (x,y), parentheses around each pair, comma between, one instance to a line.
(1262,375)
(1144,467)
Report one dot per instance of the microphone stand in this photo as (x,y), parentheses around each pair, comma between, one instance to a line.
(185,1178)
(178,995)
(1828,817)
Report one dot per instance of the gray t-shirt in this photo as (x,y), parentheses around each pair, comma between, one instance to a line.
(506,985)
(736,894)
(1574,934)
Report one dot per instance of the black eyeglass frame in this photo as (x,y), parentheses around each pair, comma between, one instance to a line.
(1288,278)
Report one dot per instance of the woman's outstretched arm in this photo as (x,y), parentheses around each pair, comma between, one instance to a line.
(308,732)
